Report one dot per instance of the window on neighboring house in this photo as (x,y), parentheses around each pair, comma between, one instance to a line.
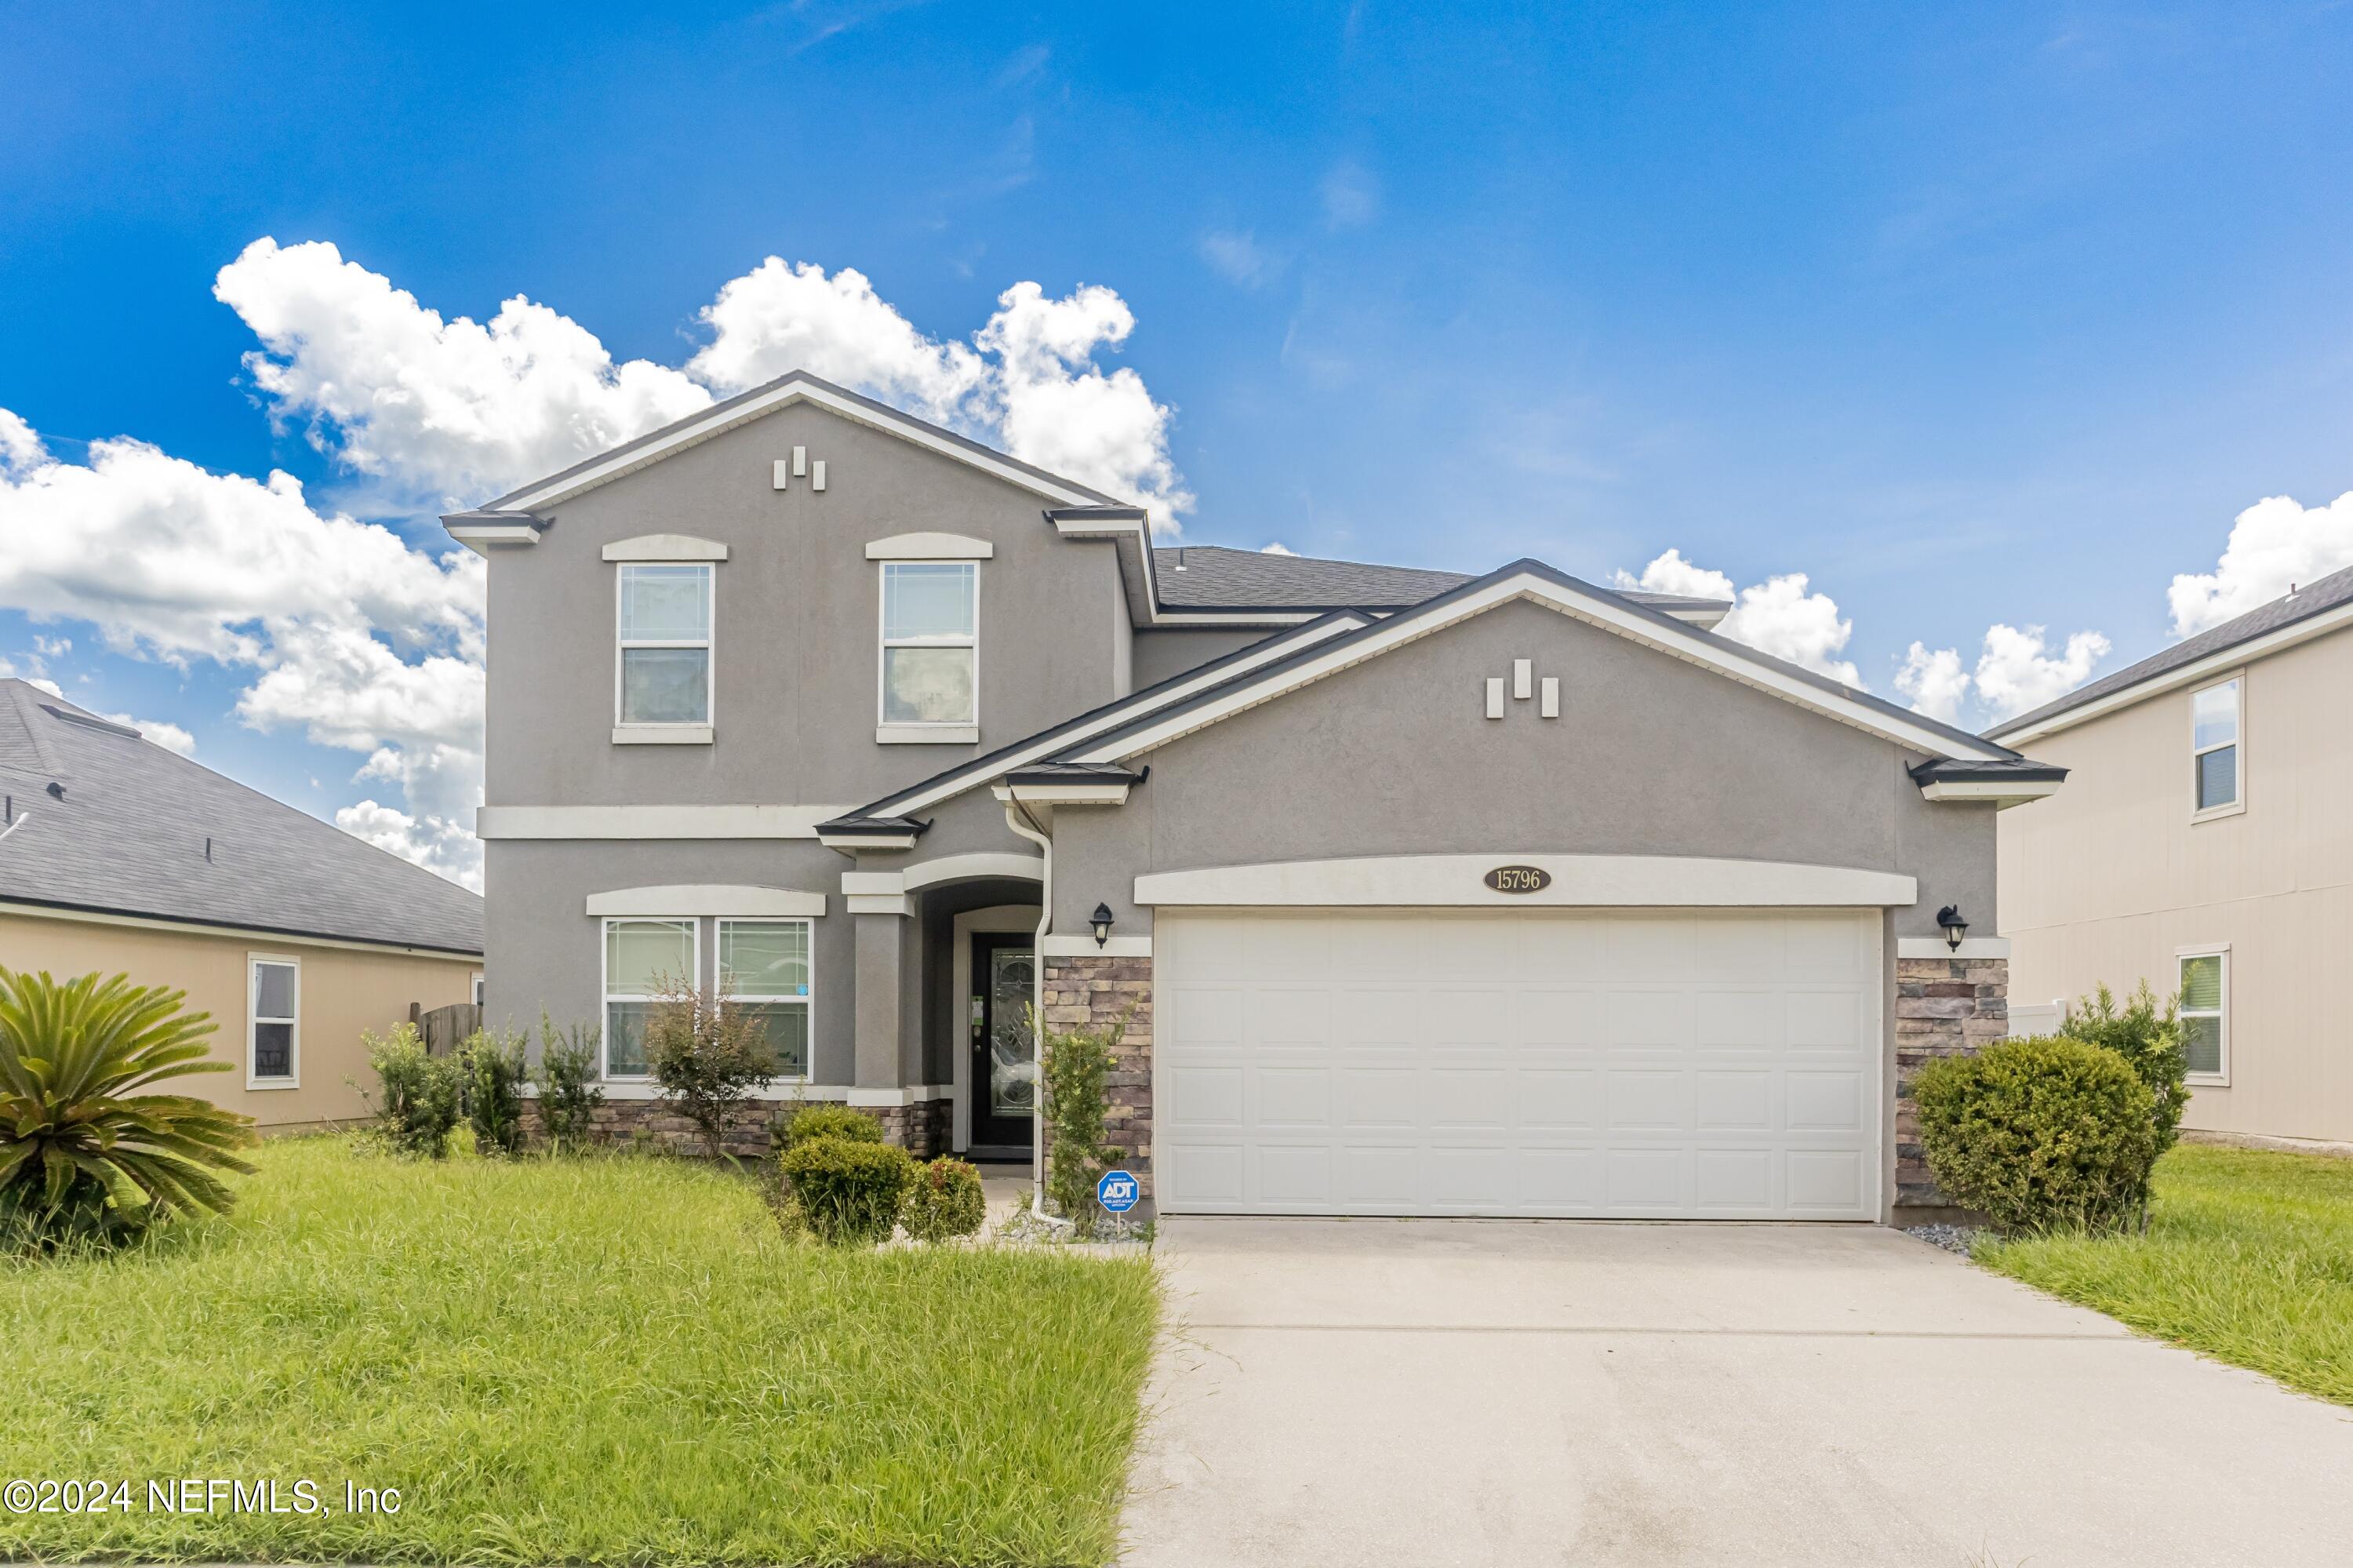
(930,642)
(274,1029)
(478,988)
(665,645)
(2206,1014)
(642,960)
(2215,745)
(764,972)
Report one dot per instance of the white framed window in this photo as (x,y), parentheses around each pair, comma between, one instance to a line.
(643,958)
(764,971)
(475,991)
(2205,981)
(930,675)
(273,1027)
(2217,759)
(661,672)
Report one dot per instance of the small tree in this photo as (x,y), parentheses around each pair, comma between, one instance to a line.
(707,1057)
(496,1070)
(568,1094)
(1076,1061)
(423,1095)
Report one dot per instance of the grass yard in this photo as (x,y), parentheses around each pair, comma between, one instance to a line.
(609,1361)
(2249,1257)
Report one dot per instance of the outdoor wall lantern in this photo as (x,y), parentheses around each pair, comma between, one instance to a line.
(1101,921)
(1949,918)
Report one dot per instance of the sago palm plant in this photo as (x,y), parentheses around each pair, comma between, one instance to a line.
(82,1152)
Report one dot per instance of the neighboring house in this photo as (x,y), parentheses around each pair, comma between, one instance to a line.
(1421,894)
(119,856)
(2205,844)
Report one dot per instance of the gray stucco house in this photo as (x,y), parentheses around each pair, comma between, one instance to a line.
(1507,894)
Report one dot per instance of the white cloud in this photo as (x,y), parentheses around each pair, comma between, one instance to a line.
(1934,681)
(435,843)
(1778,616)
(2273,545)
(780,317)
(19,447)
(1352,196)
(170,736)
(2017,670)
(1277,548)
(1238,258)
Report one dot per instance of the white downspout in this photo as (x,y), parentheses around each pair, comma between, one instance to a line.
(1019,820)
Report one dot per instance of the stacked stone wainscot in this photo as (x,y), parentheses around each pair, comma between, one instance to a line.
(1090,991)
(1944,1007)
(921,1129)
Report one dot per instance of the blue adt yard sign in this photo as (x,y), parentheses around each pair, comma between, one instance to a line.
(1116,1191)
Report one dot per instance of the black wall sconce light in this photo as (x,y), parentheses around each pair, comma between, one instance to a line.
(1101,921)
(1955,927)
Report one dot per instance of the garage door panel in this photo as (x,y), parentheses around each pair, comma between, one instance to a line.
(1650,1064)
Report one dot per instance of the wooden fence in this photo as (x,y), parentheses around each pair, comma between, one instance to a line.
(444,1029)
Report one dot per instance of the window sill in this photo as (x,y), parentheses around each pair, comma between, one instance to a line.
(255,1086)
(2212,814)
(927,735)
(2207,1080)
(661,735)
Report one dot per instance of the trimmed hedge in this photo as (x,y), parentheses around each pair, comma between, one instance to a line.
(831,1121)
(2038,1133)
(848,1191)
(944,1201)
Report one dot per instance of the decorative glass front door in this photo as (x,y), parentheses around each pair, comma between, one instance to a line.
(1004,1076)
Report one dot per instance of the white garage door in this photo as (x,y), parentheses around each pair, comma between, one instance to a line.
(1695,1063)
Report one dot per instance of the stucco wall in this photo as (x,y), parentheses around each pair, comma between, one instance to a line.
(343,991)
(2107,880)
(1160,653)
(1650,755)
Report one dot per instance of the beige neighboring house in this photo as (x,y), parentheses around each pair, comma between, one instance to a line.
(120,856)
(2205,842)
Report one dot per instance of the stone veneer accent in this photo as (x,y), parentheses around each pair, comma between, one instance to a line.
(1088,991)
(921,1129)
(1944,1007)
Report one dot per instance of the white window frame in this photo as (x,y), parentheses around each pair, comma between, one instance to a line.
(474,988)
(604,984)
(688,730)
(808,1002)
(2237,680)
(2221,1014)
(293,1079)
(889,731)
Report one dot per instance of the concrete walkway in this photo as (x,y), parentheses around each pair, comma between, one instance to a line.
(1496,1393)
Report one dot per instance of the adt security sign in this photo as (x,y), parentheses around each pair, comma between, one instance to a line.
(1116,1191)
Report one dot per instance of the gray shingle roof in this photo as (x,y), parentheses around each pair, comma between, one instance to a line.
(1201,577)
(2309,600)
(127,835)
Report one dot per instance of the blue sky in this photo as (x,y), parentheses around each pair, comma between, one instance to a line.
(1988,314)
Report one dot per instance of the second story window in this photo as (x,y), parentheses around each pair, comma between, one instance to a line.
(930,623)
(665,645)
(2214,748)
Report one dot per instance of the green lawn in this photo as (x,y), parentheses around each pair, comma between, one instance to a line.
(609,1361)
(2249,1257)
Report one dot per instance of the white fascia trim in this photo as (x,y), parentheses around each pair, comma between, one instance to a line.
(853,841)
(652,821)
(242,933)
(483,537)
(720,420)
(2217,662)
(926,735)
(931,548)
(724,901)
(2003,795)
(948,790)
(1723,658)
(1579,880)
(880,904)
(665,547)
(1065,794)
(788,1090)
(1938,948)
(1062,945)
(661,735)
(965,867)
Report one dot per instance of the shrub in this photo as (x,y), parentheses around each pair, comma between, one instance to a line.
(496,1069)
(848,1192)
(831,1121)
(568,1093)
(944,1200)
(707,1058)
(2038,1133)
(422,1094)
(2148,1039)
(1076,1063)
(84,1156)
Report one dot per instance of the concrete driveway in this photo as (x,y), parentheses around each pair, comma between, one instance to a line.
(1429,1392)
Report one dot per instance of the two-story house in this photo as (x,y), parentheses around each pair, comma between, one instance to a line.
(2206,846)
(1421,894)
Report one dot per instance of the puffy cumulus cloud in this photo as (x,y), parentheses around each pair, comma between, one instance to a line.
(1934,681)
(170,736)
(447,411)
(2018,670)
(1780,616)
(2275,544)
(1277,548)
(783,316)
(19,447)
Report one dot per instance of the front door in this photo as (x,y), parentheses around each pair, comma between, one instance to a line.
(1004,1068)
